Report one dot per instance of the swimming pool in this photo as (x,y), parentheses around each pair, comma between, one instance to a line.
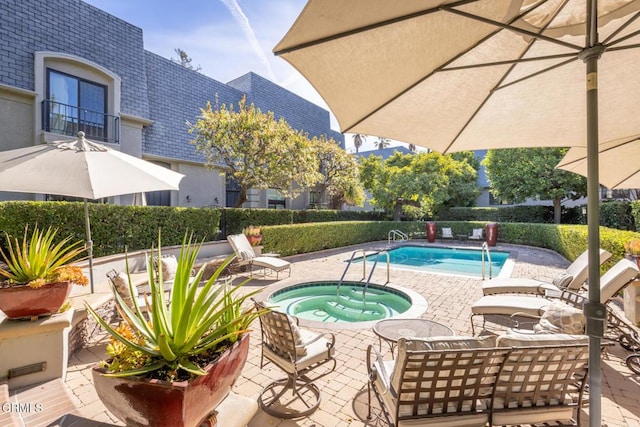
(326,302)
(467,262)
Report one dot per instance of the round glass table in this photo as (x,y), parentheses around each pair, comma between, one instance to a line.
(392,329)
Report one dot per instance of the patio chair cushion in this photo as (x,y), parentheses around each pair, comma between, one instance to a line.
(562,281)
(246,255)
(301,350)
(476,233)
(524,340)
(317,350)
(169,265)
(121,283)
(561,318)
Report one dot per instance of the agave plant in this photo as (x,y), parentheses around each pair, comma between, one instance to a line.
(38,260)
(198,320)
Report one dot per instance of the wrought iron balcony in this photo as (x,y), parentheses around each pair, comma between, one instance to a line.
(69,120)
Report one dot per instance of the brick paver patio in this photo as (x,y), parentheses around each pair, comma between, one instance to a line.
(344,390)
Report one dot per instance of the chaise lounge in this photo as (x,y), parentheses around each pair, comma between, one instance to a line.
(247,257)
(614,280)
(572,279)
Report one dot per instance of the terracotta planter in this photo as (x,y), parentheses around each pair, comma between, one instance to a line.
(19,302)
(255,240)
(143,402)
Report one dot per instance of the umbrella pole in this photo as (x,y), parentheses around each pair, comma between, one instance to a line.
(594,310)
(87,225)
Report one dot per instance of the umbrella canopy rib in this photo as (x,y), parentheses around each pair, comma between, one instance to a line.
(365,28)
(443,67)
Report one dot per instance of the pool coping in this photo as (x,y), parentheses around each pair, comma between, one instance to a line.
(419,306)
(505,271)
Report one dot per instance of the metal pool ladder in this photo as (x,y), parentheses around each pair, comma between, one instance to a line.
(485,249)
(393,234)
(364,268)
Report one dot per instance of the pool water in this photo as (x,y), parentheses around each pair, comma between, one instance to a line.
(467,262)
(323,302)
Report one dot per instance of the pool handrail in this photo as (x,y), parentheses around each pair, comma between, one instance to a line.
(364,267)
(366,285)
(394,233)
(485,248)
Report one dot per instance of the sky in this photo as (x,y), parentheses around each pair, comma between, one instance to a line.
(226,38)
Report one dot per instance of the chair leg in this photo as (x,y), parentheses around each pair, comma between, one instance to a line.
(296,387)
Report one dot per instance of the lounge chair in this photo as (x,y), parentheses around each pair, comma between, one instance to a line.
(447,233)
(247,257)
(614,280)
(572,279)
(476,234)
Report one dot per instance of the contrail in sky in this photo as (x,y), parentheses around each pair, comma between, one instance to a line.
(242,19)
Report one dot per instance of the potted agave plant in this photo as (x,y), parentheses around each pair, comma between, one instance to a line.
(37,277)
(174,362)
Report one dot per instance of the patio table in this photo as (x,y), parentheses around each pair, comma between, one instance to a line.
(391,330)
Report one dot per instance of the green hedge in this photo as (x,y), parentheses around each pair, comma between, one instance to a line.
(635,213)
(537,214)
(234,220)
(113,228)
(622,215)
(302,238)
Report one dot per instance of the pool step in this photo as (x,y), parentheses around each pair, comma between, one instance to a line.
(345,312)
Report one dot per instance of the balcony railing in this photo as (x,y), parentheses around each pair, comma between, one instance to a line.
(69,120)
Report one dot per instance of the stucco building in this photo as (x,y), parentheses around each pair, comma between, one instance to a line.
(67,66)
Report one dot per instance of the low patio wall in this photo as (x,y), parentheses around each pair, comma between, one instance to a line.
(84,329)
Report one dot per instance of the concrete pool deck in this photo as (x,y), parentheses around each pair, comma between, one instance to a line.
(345,390)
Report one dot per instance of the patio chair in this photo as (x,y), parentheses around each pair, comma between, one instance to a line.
(297,352)
(476,234)
(541,381)
(438,381)
(247,257)
(447,233)
(141,290)
(614,280)
(572,279)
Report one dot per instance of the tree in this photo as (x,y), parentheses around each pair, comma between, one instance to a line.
(418,184)
(255,149)
(520,173)
(184,59)
(358,140)
(340,181)
(382,143)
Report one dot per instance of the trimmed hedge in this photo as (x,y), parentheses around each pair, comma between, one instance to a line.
(234,220)
(622,215)
(635,213)
(113,227)
(302,238)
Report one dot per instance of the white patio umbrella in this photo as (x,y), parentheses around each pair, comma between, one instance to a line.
(457,75)
(81,168)
(619,162)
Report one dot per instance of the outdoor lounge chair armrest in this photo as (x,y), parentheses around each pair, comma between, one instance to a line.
(373,372)
(331,338)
